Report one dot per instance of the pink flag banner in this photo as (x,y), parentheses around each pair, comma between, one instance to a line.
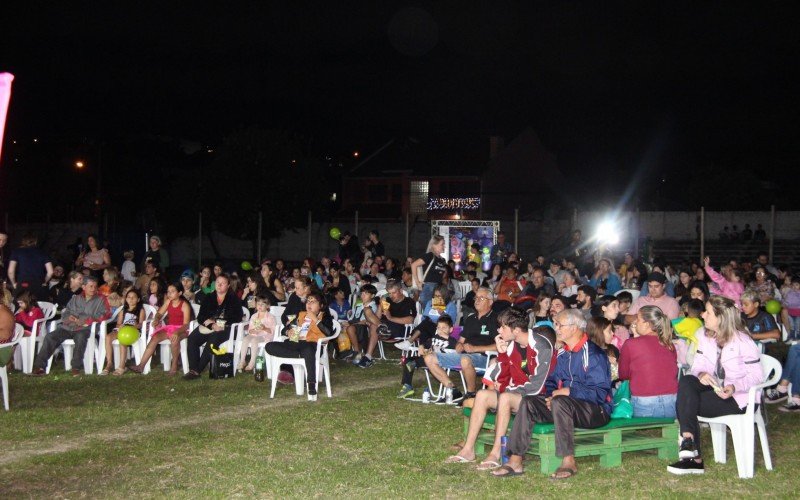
(5,97)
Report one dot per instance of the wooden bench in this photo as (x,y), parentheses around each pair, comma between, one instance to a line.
(608,442)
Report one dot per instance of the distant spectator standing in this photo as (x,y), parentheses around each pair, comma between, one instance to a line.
(3,256)
(427,271)
(157,255)
(128,270)
(30,268)
(93,258)
(747,233)
(374,245)
(500,250)
(759,235)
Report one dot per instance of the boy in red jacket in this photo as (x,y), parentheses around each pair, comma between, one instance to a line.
(525,358)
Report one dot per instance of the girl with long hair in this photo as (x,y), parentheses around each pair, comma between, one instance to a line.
(727,363)
(649,361)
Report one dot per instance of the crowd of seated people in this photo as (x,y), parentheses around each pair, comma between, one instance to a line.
(626,315)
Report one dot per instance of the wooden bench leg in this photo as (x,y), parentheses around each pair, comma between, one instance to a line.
(613,457)
(479,447)
(670,450)
(546,444)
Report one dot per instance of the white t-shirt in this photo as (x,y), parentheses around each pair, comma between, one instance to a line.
(128,268)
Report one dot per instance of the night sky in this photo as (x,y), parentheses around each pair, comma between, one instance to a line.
(608,86)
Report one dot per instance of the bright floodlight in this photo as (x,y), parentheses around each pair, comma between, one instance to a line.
(607,233)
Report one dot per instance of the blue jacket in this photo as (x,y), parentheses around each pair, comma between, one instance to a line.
(585,370)
(613,284)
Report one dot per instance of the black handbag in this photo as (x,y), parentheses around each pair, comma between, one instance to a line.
(221,366)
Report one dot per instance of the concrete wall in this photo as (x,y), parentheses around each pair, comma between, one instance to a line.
(535,236)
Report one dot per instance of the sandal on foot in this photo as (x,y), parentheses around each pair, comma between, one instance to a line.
(488,465)
(569,473)
(104,372)
(507,471)
(119,371)
(458,459)
(136,369)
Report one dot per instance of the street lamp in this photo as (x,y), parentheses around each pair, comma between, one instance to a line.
(79,164)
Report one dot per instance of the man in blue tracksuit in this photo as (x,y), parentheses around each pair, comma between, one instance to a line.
(578,394)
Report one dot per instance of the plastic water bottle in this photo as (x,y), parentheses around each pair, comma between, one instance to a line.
(426,396)
(503,451)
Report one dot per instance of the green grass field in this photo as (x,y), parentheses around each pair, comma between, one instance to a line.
(155,436)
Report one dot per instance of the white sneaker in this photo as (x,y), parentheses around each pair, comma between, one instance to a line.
(404,345)
(312,397)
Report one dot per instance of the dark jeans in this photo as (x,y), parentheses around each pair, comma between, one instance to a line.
(196,340)
(567,413)
(409,367)
(696,399)
(55,339)
(300,349)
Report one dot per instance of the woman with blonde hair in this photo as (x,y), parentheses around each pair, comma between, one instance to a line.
(650,362)
(427,271)
(726,365)
(111,289)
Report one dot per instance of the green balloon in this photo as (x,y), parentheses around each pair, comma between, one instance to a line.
(773,306)
(335,233)
(128,335)
(247,266)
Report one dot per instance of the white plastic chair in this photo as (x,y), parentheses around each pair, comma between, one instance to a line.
(464,287)
(478,370)
(742,425)
(102,331)
(24,355)
(299,365)
(19,331)
(276,312)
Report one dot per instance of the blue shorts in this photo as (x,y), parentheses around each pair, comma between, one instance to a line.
(452,360)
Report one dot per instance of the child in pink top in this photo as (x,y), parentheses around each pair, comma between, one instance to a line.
(260,329)
(732,289)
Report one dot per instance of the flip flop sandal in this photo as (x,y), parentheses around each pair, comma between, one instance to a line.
(104,372)
(457,459)
(570,472)
(508,471)
(119,371)
(487,465)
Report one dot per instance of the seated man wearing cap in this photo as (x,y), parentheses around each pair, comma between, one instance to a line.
(657,296)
